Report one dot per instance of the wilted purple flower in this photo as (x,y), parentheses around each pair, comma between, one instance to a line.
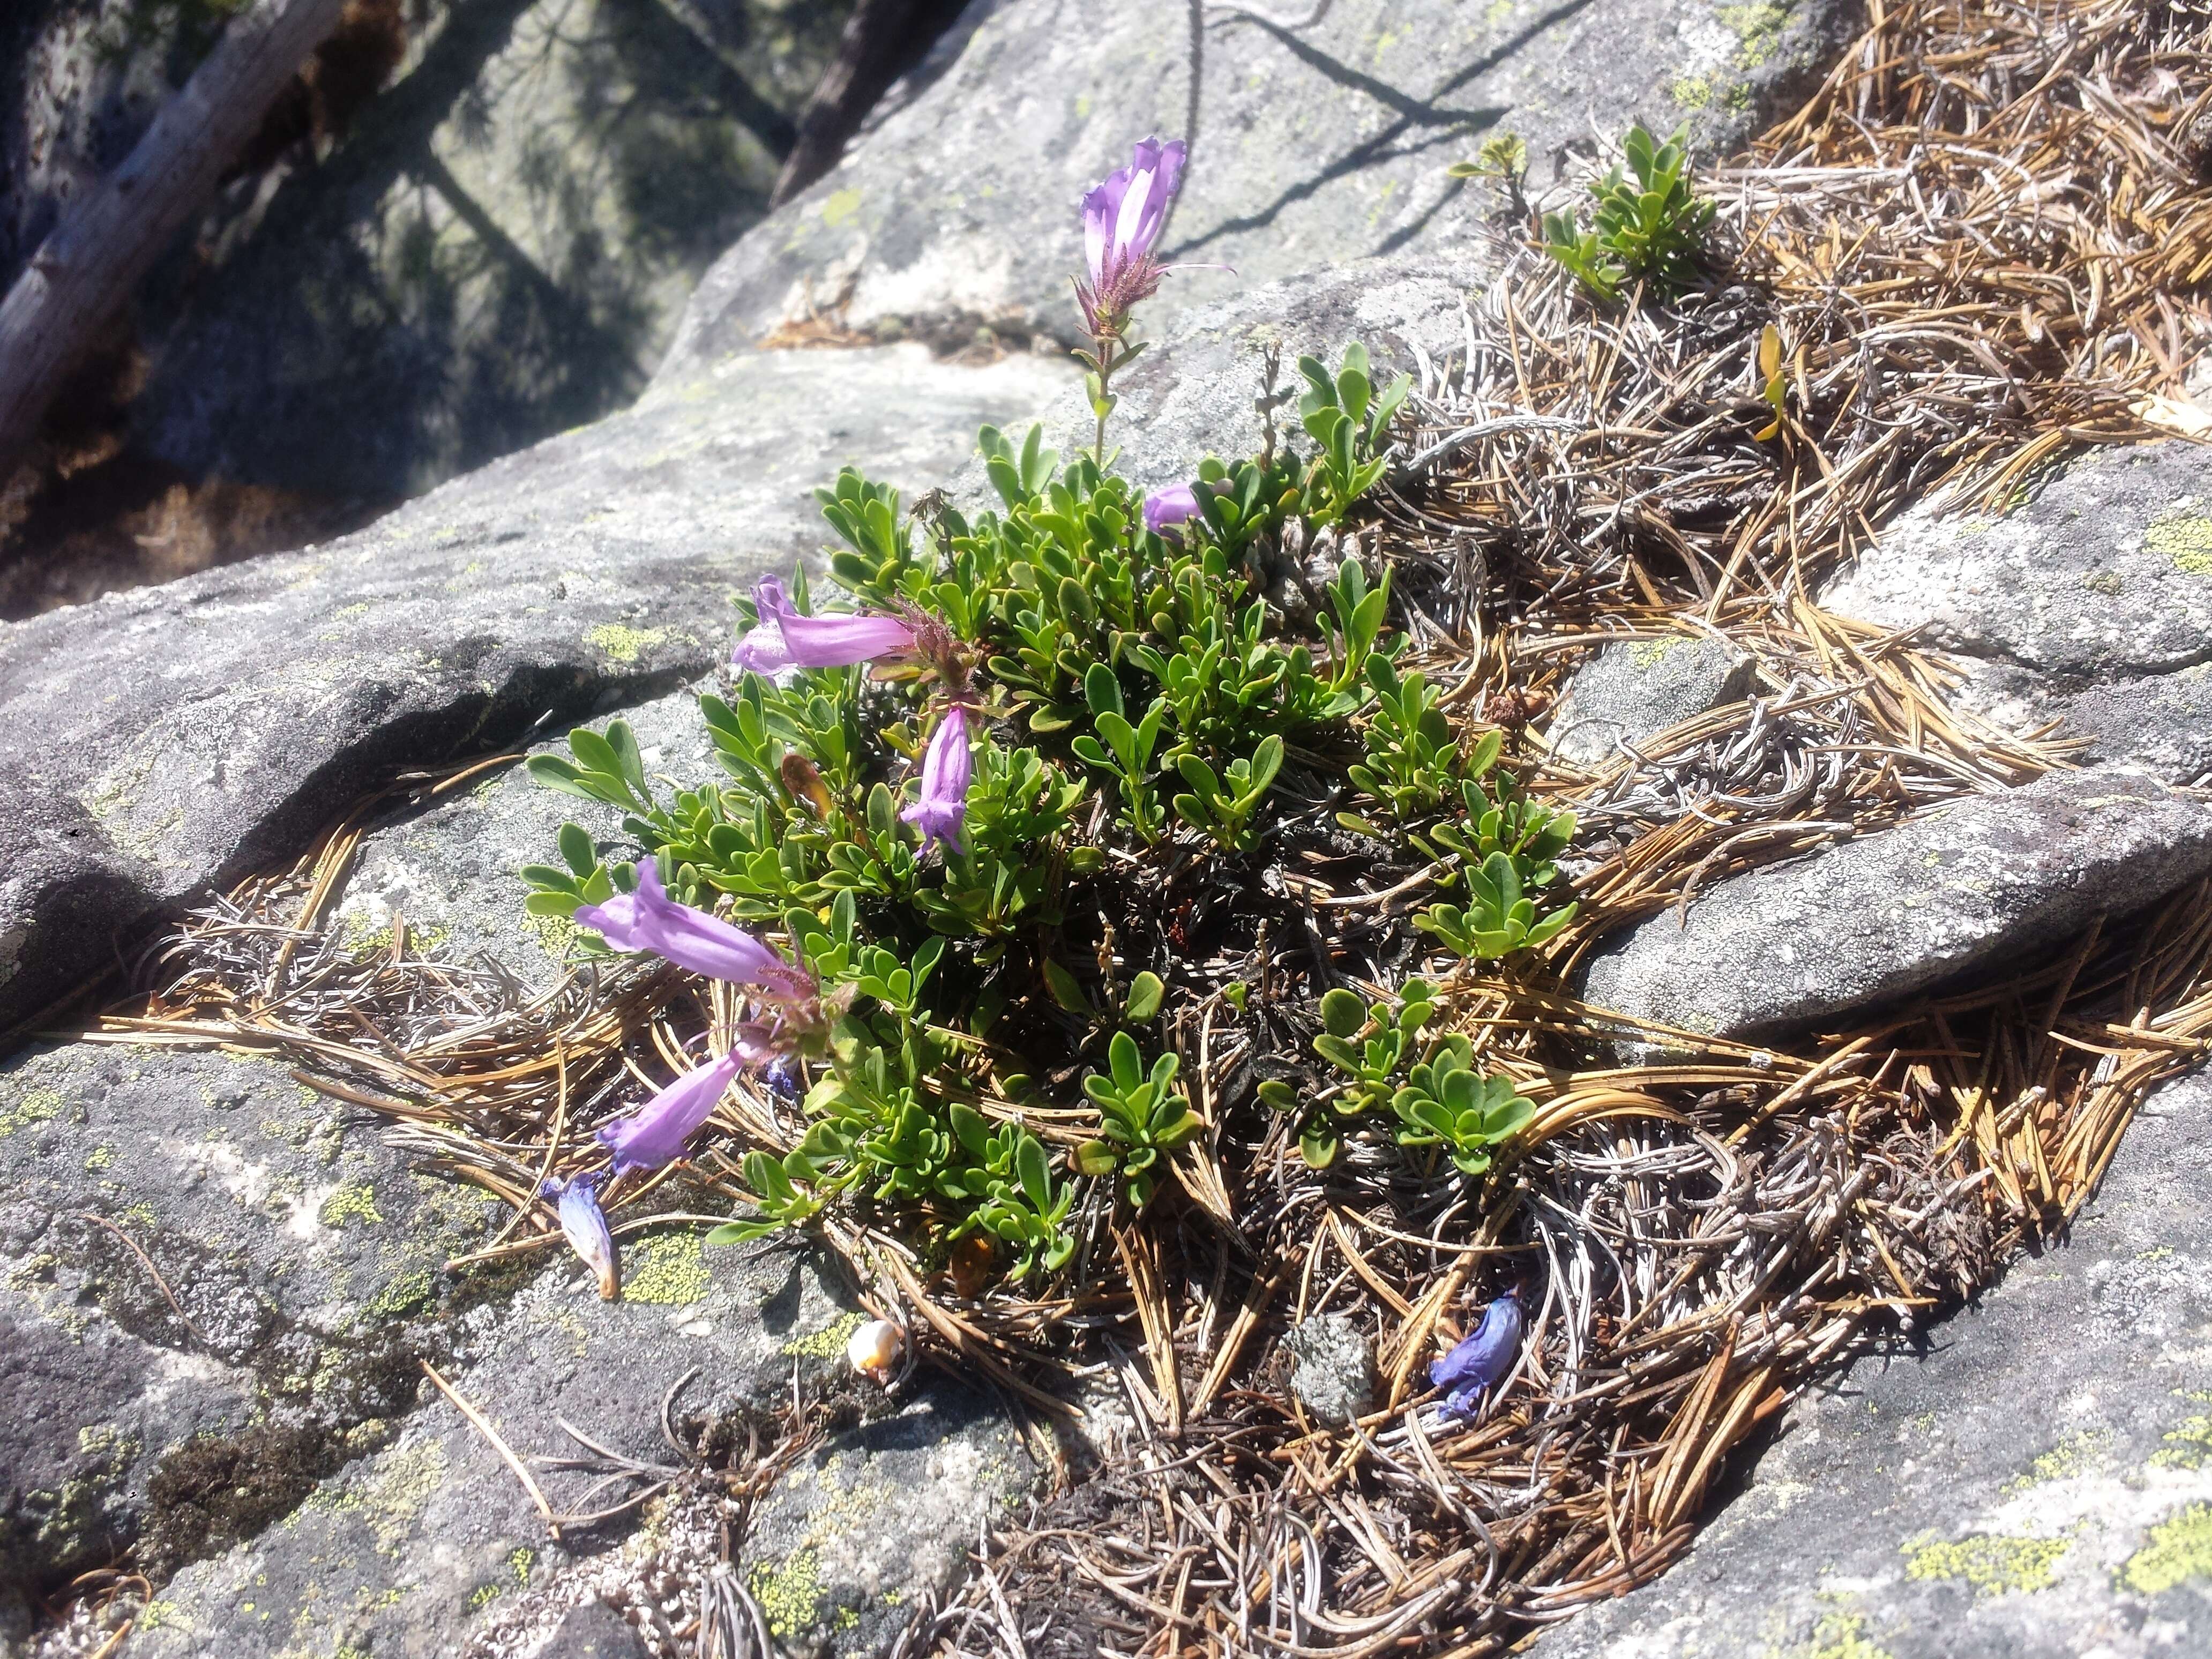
(1171,506)
(1121,223)
(785,639)
(1480,1360)
(648,920)
(781,1074)
(945,770)
(585,1228)
(655,1134)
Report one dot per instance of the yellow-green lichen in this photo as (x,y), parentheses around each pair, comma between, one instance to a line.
(402,1296)
(669,1270)
(38,1106)
(827,1342)
(1650,654)
(355,1201)
(839,206)
(1993,1566)
(391,1499)
(1838,1636)
(520,1562)
(789,1592)
(2179,1549)
(1758,29)
(554,934)
(2069,1457)
(2187,1446)
(2183,538)
(623,643)
(100,1159)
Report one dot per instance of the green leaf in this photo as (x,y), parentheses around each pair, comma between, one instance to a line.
(576,849)
(1342,1013)
(1095,1157)
(1066,989)
(1146,992)
(1036,1176)
(1102,691)
(1125,1062)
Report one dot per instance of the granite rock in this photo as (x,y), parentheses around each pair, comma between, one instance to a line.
(848,1540)
(306,1259)
(1313,138)
(162,741)
(1636,689)
(451,872)
(2033,1481)
(2088,604)
(1332,1367)
(1900,910)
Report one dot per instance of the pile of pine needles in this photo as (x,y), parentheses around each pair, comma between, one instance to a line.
(1980,247)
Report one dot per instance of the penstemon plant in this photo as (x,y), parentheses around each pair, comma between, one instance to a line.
(929,760)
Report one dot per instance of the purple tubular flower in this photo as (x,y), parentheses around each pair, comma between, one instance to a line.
(648,920)
(653,1135)
(945,770)
(785,639)
(1171,506)
(1480,1360)
(1121,222)
(585,1229)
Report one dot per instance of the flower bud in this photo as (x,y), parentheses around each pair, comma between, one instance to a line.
(876,1349)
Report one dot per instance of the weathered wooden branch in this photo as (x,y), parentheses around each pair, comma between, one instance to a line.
(882,40)
(106,240)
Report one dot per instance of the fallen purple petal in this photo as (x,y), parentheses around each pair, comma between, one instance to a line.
(1479,1361)
(585,1227)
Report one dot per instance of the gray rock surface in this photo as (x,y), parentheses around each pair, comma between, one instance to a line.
(414,1548)
(1332,1367)
(842,1545)
(2089,603)
(1638,689)
(163,740)
(1193,394)
(312,1258)
(450,872)
(595,1630)
(306,1258)
(1313,139)
(2035,1484)
(1893,913)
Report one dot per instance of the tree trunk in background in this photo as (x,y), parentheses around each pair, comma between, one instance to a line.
(883,40)
(106,240)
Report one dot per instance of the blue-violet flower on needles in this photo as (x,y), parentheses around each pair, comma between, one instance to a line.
(1122,222)
(648,920)
(945,770)
(577,1203)
(1480,1360)
(653,1135)
(1172,506)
